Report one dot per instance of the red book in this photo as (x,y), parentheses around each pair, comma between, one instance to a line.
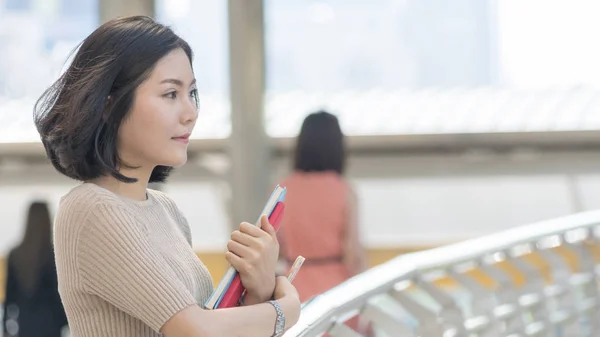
(230,285)
(236,289)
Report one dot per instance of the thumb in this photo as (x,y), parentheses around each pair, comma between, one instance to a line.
(267,227)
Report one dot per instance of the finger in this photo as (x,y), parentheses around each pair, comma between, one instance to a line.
(284,285)
(243,238)
(236,261)
(256,243)
(267,227)
(282,279)
(240,249)
(251,230)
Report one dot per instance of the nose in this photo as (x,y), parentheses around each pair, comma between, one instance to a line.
(189,113)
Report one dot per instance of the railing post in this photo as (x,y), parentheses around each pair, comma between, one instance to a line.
(507,309)
(383,320)
(450,314)
(584,283)
(531,299)
(429,324)
(560,293)
(482,302)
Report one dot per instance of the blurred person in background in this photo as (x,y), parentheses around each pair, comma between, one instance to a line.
(32,305)
(320,220)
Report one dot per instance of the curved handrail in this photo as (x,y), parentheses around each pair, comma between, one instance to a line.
(322,311)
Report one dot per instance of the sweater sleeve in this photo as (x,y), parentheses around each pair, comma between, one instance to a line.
(117,263)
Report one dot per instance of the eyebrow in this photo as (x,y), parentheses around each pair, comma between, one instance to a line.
(176,81)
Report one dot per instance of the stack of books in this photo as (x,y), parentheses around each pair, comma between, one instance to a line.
(230,290)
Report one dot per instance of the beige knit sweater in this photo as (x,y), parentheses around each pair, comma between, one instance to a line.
(124,267)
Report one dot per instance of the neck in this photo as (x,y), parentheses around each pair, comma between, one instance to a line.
(135,191)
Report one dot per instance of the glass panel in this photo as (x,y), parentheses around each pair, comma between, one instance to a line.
(427,67)
(203,24)
(36,37)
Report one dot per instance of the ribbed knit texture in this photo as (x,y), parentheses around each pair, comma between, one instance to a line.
(125,267)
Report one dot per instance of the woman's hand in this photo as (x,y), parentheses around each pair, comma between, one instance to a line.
(287,295)
(253,252)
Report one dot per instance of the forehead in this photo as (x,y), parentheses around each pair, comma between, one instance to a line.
(175,64)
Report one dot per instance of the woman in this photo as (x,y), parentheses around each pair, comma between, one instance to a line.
(32,305)
(119,118)
(320,220)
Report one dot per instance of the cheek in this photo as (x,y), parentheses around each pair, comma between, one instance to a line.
(134,135)
(128,136)
(148,120)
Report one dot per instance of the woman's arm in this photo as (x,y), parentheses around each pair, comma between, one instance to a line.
(355,257)
(254,320)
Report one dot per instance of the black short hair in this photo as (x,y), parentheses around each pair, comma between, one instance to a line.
(320,145)
(77,123)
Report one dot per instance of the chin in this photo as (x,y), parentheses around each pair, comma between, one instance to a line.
(175,161)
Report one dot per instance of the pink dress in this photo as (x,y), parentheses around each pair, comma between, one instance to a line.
(316,211)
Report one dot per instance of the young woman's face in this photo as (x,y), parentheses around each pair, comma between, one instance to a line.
(156,131)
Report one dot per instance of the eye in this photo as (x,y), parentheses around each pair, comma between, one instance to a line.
(171,95)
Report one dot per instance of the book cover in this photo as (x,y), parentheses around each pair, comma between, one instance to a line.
(235,290)
(230,285)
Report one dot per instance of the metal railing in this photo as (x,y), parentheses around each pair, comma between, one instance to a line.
(535,280)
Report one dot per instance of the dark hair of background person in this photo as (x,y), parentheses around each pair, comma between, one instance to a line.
(320,145)
(35,251)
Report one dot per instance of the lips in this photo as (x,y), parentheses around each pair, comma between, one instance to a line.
(183,139)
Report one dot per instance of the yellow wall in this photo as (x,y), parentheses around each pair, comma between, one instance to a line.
(216,263)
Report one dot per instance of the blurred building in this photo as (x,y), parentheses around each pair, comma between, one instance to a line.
(453,134)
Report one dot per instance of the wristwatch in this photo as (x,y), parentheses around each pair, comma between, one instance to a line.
(280,321)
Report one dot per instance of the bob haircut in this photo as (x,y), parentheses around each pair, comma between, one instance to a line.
(77,122)
(320,145)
